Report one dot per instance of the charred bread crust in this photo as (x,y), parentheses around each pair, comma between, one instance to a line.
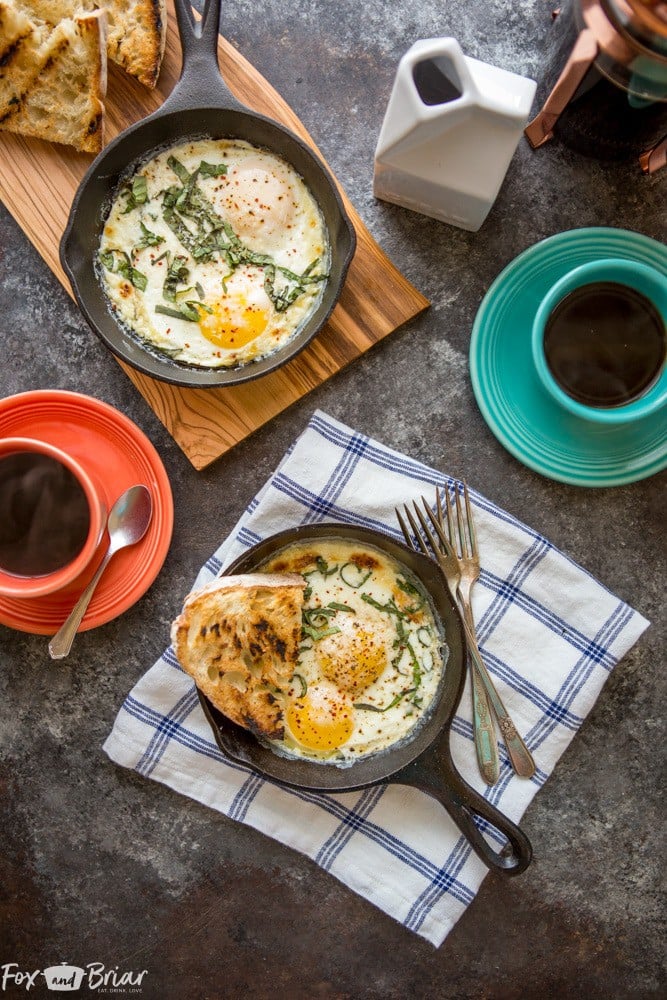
(137,29)
(238,638)
(137,37)
(24,47)
(65,102)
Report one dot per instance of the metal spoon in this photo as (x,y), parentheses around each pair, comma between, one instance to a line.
(128,520)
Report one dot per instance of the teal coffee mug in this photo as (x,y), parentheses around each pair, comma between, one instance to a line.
(599,341)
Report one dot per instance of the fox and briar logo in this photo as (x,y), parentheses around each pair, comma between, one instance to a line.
(65,977)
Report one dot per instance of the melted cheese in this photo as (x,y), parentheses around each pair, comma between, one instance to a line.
(261,202)
(371,656)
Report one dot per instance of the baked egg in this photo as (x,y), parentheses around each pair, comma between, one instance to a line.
(214,252)
(371,656)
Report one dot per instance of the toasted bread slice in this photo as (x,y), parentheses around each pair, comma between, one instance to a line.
(137,30)
(137,36)
(24,48)
(238,637)
(66,102)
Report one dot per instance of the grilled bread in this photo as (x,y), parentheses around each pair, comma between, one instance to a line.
(136,35)
(53,62)
(64,102)
(24,48)
(238,637)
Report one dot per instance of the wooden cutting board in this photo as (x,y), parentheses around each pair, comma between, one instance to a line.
(38,181)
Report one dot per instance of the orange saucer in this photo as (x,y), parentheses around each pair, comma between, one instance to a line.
(116,454)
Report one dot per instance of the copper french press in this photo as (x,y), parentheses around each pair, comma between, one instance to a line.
(604,91)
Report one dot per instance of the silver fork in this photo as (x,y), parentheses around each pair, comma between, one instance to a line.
(467,552)
(483,727)
(517,751)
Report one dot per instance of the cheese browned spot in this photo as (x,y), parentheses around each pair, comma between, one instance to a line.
(238,637)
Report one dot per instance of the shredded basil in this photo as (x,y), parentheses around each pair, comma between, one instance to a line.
(315,623)
(181,172)
(427,661)
(185,312)
(148,239)
(318,633)
(324,568)
(412,591)
(177,274)
(136,193)
(118,262)
(302,682)
(394,701)
(214,237)
(212,169)
(424,631)
(352,575)
(416,666)
(390,608)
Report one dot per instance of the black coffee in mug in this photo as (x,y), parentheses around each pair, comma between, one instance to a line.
(605,344)
(44,514)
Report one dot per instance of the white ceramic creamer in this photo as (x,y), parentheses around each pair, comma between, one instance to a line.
(450,130)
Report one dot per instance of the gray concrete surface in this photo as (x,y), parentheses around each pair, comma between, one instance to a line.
(99,864)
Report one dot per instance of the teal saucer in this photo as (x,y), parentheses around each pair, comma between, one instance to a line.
(515,405)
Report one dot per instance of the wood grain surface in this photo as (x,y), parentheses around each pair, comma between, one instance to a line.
(38,181)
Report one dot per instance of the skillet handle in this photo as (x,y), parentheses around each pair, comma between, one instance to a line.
(200,84)
(435,774)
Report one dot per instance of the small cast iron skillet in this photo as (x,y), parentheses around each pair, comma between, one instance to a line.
(425,761)
(200,105)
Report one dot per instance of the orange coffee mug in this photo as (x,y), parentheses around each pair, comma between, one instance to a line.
(52,518)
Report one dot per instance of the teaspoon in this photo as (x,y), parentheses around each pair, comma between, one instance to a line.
(128,521)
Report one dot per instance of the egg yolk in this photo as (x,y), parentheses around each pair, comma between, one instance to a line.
(352,660)
(321,719)
(233,323)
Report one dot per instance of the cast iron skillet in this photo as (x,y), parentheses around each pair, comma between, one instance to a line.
(424,762)
(199,105)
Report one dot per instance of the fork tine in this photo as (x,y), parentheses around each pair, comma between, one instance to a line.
(425,525)
(463,537)
(438,505)
(416,532)
(410,541)
(441,519)
(450,523)
(471,523)
(444,541)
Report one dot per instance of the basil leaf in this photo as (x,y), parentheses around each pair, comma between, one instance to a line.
(118,262)
(212,169)
(214,236)
(176,313)
(394,701)
(318,633)
(136,193)
(181,172)
(177,274)
(353,575)
(148,239)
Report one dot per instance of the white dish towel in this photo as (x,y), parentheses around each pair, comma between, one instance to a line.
(550,635)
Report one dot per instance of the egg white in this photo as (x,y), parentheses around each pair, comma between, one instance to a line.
(268,206)
(364,642)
